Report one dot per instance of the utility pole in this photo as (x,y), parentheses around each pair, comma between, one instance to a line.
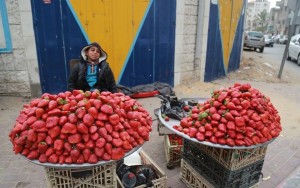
(291,32)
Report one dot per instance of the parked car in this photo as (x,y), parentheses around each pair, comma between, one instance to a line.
(294,49)
(269,41)
(254,40)
(283,39)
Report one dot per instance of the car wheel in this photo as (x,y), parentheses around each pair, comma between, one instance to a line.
(298,60)
(271,45)
(261,50)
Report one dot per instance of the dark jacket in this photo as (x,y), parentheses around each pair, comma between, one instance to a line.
(105,81)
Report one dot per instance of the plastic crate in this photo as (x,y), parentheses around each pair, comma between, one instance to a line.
(232,159)
(98,176)
(220,176)
(173,150)
(161,182)
(193,179)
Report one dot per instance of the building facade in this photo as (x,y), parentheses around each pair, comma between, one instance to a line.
(255,7)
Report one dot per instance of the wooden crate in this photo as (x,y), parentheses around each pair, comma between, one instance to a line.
(161,182)
(103,176)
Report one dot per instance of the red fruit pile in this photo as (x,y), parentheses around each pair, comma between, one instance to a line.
(77,127)
(236,116)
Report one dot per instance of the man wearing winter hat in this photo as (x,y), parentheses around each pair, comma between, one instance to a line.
(93,72)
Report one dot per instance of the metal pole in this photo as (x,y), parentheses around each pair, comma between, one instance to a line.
(291,32)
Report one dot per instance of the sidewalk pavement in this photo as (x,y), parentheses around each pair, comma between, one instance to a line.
(281,166)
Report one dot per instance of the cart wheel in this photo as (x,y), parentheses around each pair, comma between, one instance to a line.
(170,166)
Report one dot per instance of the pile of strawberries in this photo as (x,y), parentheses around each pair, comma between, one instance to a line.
(236,116)
(80,127)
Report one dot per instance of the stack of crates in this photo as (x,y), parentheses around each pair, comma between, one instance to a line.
(221,168)
(173,149)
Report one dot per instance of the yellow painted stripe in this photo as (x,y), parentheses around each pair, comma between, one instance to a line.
(229,14)
(112,23)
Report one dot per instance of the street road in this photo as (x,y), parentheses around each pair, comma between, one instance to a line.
(274,56)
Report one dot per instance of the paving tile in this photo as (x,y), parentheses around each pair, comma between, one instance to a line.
(14,178)
(8,185)
(175,182)
(266,184)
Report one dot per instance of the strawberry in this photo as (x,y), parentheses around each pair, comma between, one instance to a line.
(117,153)
(61,159)
(102,132)
(82,128)
(18,149)
(106,156)
(80,159)
(39,112)
(52,105)
(99,151)
(114,119)
(106,109)
(42,147)
(79,97)
(54,112)
(80,146)
(93,129)
(108,148)
(97,104)
(69,128)
(39,124)
(41,137)
(86,154)
(117,142)
(126,145)
(74,138)
(34,102)
(93,112)
(68,160)
(72,118)
(67,146)
(43,158)
(95,136)
(49,140)
(102,116)
(58,144)
(88,120)
(93,159)
(31,135)
(90,144)
(62,120)
(230,142)
(192,132)
(80,112)
(74,154)
(53,158)
(108,127)
(33,155)
(43,103)
(52,121)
